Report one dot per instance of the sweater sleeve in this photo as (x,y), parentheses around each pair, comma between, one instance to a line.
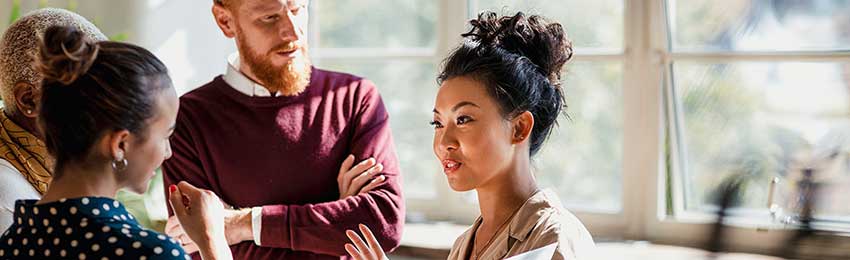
(320,228)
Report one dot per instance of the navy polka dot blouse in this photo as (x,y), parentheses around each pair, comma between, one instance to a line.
(82,228)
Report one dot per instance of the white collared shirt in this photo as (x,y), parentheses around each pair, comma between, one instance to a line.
(13,187)
(234,77)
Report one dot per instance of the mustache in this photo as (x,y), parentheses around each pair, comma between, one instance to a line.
(286,47)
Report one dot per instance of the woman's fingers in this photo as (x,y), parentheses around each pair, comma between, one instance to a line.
(373,243)
(184,239)
(172,226)
(361,246)
(190,248)
(175,198)
(352,251)
(188,189)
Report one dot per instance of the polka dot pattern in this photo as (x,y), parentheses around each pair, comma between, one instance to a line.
(82,228)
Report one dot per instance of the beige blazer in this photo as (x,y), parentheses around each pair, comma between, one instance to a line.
(541,221)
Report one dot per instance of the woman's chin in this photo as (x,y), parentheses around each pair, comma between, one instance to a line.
(458,186)
(139,188)
(137,191)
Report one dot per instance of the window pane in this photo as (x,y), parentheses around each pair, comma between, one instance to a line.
(408,89)
(589,24)
(759,25)
(376,23)
(764,120)
(583,159)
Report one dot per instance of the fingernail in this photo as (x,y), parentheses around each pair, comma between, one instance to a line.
(172,188)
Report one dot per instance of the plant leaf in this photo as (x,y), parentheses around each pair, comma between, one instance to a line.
(16,11)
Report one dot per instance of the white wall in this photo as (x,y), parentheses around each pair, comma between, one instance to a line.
(182,33)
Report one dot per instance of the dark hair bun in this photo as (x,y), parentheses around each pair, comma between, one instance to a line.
(66,54)
(545,44)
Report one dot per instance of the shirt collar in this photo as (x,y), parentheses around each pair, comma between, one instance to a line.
(75,208)
(236,79)
(529,213)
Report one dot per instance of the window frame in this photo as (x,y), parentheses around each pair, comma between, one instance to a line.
(679,226)
(649,111)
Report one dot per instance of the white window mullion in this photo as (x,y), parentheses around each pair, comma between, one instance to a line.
(641,118)
(450,205)
(643,159)
(375,53)
(597,57)
(760,56)
(313,25)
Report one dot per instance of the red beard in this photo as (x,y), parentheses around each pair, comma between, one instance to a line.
(289,79)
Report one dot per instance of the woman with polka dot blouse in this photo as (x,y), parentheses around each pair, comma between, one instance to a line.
(107,110)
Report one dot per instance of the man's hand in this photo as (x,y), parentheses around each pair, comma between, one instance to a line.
(360,178)
(237,226)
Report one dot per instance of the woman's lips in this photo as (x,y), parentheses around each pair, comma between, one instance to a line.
(450,166)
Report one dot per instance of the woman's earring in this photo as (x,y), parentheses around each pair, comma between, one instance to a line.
(29,111)
(119,165)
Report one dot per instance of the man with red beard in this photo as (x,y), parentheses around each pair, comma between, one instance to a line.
(278,139)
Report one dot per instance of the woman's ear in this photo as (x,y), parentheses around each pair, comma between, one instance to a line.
(26,96)
(117,144)
(522,125)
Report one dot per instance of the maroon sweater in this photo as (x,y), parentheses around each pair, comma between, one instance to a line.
(284,154)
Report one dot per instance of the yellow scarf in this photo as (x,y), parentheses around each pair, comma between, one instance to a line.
(26,152)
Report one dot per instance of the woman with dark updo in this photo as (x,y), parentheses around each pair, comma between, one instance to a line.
(499,98)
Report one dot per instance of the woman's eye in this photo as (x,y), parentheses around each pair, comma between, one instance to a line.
(463,120)
(436,124)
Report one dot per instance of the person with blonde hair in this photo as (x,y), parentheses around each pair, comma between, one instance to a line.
(107,111)
(25,166)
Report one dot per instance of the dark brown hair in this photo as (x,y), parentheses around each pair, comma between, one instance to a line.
(519,59)
(92,88)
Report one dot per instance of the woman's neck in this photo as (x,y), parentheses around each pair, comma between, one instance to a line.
(501,197)
(79,181)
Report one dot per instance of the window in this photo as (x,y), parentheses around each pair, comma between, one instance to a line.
(583,159)
(396,45)
(666,98)
(393,44)
(752,100)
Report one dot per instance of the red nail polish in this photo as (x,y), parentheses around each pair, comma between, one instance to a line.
(172,188)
